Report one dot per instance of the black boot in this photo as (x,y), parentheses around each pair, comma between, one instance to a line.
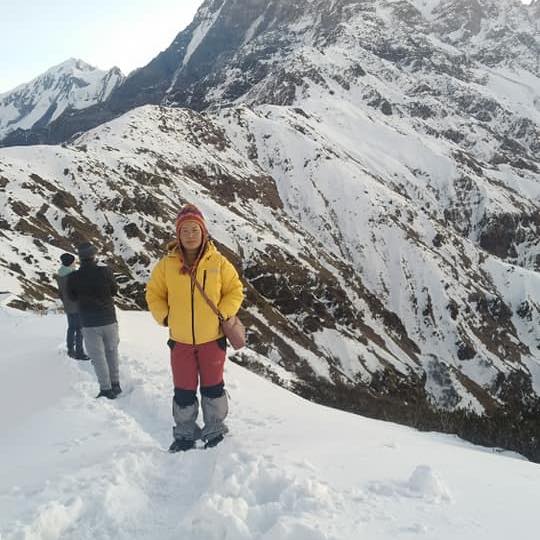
(106,393)
(81,356)
(71,353)
(181,445)
(210,443)
(116,389)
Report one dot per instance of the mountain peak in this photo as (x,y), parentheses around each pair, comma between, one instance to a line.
(73,63)
(73,84)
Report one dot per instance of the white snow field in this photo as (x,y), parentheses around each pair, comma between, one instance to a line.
(73,467)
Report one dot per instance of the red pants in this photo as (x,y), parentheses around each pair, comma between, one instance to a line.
(189,362)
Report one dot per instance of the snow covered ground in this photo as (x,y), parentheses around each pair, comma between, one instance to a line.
(73,467)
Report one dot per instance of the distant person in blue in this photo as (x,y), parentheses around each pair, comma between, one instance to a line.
(74,337)
(93,287)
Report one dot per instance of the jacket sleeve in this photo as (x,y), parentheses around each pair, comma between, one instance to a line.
(232,292)
(59,285)
(114,285)
(156,293)
(71,287)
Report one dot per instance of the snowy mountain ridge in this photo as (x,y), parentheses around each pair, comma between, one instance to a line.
(72,85)
(233,45)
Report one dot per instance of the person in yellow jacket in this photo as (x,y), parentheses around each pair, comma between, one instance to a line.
(197,343)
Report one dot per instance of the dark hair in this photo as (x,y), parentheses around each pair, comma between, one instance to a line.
(67,259)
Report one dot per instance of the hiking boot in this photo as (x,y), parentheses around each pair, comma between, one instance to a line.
(181,445)
(81,356)
(210,443)
(116,389)
(71,354)
(106,393)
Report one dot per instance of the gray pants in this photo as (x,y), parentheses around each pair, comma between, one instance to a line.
(101,344)
(214,413)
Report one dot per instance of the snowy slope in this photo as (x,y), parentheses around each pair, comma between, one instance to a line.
(77,468)
(361,198)
(121,185)
(72,85)
(349,283)
(462,134)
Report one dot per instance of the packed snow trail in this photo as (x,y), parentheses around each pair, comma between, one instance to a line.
(74,467)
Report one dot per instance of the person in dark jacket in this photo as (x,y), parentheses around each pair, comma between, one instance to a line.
(74,337)
(93,288)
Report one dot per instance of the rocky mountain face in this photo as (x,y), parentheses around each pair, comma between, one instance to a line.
(30,108)
(373,169)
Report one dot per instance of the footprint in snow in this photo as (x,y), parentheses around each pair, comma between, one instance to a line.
(249,497)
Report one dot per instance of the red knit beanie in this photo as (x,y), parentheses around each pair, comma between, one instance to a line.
(190,213)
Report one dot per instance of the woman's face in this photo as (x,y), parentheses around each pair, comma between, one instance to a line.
(191,236)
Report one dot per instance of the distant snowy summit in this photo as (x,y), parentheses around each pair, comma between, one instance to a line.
(72,85)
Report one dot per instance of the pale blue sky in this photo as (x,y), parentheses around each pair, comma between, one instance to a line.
(38,34)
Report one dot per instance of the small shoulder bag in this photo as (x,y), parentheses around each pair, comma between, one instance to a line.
(233,328)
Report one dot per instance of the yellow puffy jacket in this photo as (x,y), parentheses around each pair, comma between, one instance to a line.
(189,317)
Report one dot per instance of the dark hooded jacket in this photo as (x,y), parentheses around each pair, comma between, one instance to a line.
(93,288)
